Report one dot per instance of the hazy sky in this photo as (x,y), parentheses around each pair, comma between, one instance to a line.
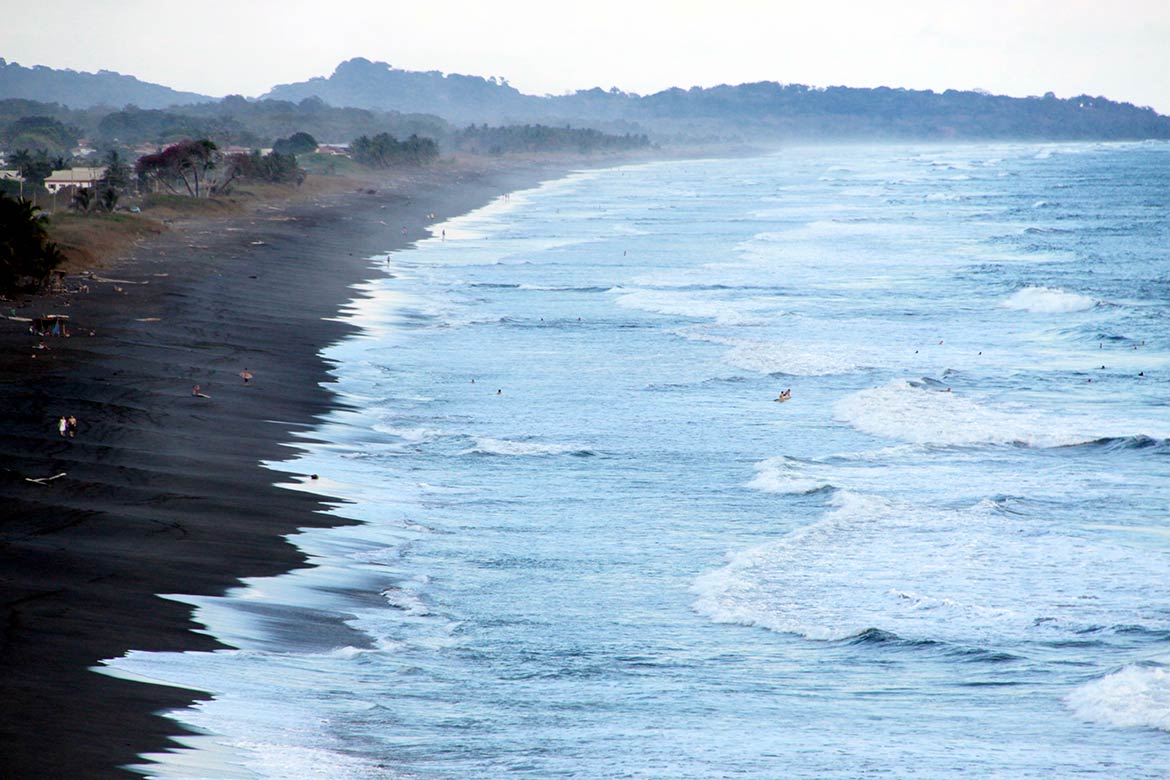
(1116,48)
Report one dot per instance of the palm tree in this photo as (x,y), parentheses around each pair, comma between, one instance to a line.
(109,199)
(20,158)
(27,256)
(83,199)
(117,171)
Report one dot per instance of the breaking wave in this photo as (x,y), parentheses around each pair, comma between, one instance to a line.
(1137,696)
(488,446)
(925,573)
(921,415)
(1046,300)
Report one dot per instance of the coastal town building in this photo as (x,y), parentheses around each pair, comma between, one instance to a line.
(74,177)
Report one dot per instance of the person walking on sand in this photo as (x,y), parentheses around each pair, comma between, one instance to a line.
(62,425)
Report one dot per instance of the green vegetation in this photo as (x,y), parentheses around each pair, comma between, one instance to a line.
(328,164)
(385,151)
(27,256)
(36,167)
(297,143)
(232,121)
(381,99)
(540,138)
(134,125)
(192,164)
(115,182)
(86,89)
(40,133)
(274,168)
(235,121)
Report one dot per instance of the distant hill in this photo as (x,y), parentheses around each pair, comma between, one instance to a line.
(360,83)
(84,90)
(762,111)
(746,111)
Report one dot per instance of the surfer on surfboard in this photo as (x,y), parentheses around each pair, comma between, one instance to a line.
(784,396)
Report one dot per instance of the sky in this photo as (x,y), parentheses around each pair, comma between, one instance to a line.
(1119,49)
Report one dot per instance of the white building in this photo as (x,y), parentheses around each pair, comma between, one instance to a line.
(74,177)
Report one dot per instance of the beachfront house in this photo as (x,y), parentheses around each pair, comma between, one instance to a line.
(11,175)
(74,177)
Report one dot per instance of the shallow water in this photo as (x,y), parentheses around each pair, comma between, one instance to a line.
(613,555)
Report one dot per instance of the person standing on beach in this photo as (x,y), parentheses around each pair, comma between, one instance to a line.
(71,425)
(62,425)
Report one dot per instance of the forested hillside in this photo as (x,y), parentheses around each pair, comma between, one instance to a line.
(763,110)
(83,90)
(364,97)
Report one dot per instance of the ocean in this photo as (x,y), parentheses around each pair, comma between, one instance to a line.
(592,545)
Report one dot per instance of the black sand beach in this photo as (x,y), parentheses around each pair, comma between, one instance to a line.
(162,490)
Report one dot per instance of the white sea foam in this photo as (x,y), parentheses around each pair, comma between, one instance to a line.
(1045,300)
(406,599)
(1134,697)
(740,311)
(793,358)
(273,699)
(830,228)
(488,446)
(414,435)
(785,475)
(929,573)
(921,415)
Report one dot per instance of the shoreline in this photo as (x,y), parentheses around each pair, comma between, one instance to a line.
(163,491)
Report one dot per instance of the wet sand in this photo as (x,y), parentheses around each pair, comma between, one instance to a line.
(162,490)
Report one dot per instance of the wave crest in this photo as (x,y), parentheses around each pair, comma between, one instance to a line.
(933,574)
(1048,300)
(1134,697)
(917,413)
(785,475)
(487,446)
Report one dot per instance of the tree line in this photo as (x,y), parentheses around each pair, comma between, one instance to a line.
(384,150)
(232,121)
(481,139)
